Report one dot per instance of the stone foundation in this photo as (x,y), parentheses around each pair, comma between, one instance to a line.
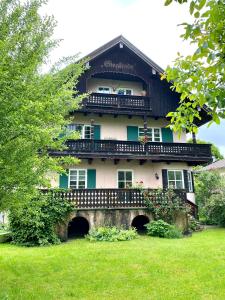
(116,217)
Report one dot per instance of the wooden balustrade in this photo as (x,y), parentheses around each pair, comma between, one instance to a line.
(109,198)
(114,101)
(128,149)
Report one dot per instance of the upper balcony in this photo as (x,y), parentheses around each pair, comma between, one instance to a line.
(154,151)
(116,104)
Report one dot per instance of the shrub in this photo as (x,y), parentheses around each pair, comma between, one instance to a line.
(162,229)
(111,234)
(215,208)
(33,223)
(164,204)
(193,224)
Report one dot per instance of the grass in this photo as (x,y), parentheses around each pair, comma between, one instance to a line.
(145,268)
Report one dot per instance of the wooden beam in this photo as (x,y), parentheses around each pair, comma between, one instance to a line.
(115,116)
(142,161)
(129,116)
(90,160)
(103,159)
(116,161)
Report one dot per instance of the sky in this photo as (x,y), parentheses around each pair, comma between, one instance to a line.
(84,25)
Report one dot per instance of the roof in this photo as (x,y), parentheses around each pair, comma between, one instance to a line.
(219,164)
(121,39)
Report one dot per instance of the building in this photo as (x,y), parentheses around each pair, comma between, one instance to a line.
(125,139)
(218,166)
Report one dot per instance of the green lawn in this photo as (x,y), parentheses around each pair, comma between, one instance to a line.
(146,268)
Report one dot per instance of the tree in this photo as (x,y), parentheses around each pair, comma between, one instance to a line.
(33,105)
(200,77)
(215,150)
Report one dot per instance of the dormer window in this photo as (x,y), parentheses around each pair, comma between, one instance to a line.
(104,90)
(124,91)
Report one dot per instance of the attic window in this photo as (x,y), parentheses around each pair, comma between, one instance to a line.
(104,90)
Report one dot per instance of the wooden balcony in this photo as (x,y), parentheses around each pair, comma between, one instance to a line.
(155,151)
(114,198)
(112,103)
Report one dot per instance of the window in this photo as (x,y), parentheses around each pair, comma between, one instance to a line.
(84,130)
(104,89)
(124,91)
(175,179)
(78,179)
(125,179)
(154,134)
(190,185)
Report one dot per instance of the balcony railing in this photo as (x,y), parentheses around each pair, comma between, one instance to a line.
(116,102)
(114,198)
(136,150)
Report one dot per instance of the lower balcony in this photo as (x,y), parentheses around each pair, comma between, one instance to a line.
(114,198)
(154,151)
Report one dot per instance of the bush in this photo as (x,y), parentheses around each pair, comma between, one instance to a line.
(111,234)
(193,224)
(33,223)
(215,209)
(162,229)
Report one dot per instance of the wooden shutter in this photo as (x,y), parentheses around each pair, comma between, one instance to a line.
(164,179)
(185,172)
(167,135)
(91,178)
(132,133)
(97,132)
(63,180)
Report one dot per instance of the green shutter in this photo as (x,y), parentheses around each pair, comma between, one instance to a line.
(167,135)
(63,180)
(91,178)
(164,179)
(97,132)
(132,133)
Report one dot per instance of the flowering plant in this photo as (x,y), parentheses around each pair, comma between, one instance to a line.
(143,139)
(138,185)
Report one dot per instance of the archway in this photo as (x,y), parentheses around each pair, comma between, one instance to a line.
(139,222)
(78,227)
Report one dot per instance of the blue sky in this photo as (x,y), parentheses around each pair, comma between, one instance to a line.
(84,25)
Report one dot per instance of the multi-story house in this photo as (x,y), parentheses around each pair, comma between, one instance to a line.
(125,139)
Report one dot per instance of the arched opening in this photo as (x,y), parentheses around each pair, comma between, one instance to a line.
(139,222)
(78,227)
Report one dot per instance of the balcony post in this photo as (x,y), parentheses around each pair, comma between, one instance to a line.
(92,135)
(194,138)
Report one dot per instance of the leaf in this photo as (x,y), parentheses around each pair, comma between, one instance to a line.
(168,2)
(192,7)
(201,4)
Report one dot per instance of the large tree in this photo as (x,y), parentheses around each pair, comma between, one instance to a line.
(200,77)
(33,105)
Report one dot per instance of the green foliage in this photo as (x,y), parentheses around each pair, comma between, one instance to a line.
(162,229)
(34,222)
(200,77)
(193,224)
(207,183)
(164,204)
(215,150)
(215,208)
(111,234)
(33,104)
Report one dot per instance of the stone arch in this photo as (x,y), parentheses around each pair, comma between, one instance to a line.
(139,221)
(78,227)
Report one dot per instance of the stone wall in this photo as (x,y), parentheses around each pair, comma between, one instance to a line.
(117,217)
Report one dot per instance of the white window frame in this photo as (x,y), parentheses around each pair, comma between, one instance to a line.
(182,175)
(124,88)
(153,131)
(77,180)
(190,183)
(124,170)
(82,133)
(104,87)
